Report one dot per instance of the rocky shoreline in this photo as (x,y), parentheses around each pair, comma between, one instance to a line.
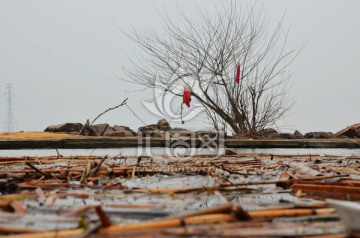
(162,129)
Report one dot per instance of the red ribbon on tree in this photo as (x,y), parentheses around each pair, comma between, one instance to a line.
(237,78)
(187,96)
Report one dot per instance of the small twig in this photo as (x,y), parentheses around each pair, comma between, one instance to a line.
(92,152)
(138,161)
(85,173)
(228,170)
(47,175)
(103,132)
(105,222)
(112,108)
(59,155)
(96,169)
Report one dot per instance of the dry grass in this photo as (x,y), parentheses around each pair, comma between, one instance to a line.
(35,135)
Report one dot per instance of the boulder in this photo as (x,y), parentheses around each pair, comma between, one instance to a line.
(119,131)
(100,129)
(286,136)
(298,134)
(320,135)
(180,132)
(161,134)
(125,129)
(352,131)
(163,124)
(121,128)
(290,136)
(115,133)
(66,128)
(269,133)
(87,131)
(148,130)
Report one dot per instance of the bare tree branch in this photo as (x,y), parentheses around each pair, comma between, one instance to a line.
(109,109)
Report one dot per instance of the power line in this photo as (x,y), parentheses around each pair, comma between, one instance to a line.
(10,124)
(135,114)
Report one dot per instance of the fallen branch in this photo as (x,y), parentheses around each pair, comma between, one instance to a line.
(105,222)
(78,210)
(12,230)
(96,169)
(172,222)
(210,230)
(325,190)
(47,175)
(270,214)
(48,234)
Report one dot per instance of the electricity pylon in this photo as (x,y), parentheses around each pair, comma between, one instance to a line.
(10,124)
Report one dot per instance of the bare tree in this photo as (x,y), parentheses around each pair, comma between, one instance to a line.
(204,55)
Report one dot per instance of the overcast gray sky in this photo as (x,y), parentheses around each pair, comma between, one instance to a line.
(64,59)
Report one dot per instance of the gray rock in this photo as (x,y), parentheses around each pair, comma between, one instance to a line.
(148,130)
(119,131)
(286,136)
(320,135)
(86,131)
(296,135)
(269,133)
(65,128)
(352,131)
(291,136)
(100,129)
(126,129)
(115,133)
(180,132)
(163,124)
(161,134)
(121,128)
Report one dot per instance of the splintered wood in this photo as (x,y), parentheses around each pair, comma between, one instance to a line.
(242,195)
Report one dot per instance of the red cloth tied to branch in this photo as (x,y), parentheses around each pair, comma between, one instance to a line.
(187,96)
(237,78)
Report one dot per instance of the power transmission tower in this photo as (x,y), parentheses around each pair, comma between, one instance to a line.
(10,124)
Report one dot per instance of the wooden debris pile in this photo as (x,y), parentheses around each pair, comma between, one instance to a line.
(242,195)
